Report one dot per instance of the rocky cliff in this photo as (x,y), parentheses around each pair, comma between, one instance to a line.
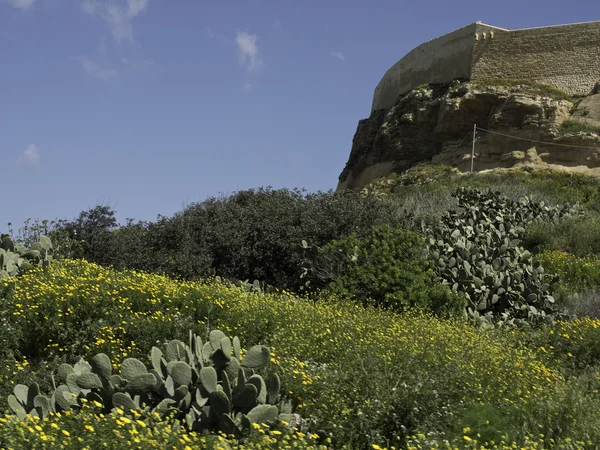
(521,126)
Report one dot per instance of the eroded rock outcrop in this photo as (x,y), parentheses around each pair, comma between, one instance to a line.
(435,123)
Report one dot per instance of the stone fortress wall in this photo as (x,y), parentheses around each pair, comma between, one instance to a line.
(563,56)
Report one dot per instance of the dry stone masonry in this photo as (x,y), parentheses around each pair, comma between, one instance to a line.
(564,56)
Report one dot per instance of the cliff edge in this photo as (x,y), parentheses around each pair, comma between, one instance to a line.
(520,125)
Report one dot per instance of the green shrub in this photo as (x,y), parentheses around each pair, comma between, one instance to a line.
(569,346)
(562,187)
(256,234)
(549,187)
(576,274)
(64,246)
(388,267)
(586,304)
(252,234)
(92,230)
(130,247)
(578,236)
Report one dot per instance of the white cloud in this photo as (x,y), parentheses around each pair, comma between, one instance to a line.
(93,69)
(214,35)
(117,16)
(29,157)
(130,66)
(134,7)
(338,55)
(249,55)
(119,23)
(21,4)
(90,6)
(247,86)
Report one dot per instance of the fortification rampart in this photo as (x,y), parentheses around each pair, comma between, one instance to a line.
(563,56)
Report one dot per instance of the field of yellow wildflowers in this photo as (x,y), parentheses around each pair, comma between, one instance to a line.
(361,377)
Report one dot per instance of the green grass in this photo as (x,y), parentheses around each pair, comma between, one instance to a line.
(426,188)
(543,89)
(579,236)
(574,126)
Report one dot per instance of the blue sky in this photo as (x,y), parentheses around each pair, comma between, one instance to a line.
(148,105)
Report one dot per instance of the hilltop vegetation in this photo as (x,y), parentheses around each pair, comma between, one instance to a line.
(431,310)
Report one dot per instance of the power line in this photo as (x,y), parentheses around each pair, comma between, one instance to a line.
(536,141)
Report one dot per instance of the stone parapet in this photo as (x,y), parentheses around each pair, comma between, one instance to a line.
(564,56)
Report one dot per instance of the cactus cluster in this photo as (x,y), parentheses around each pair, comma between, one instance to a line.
(477,252)
(18,259)
(256,286)
(206,386)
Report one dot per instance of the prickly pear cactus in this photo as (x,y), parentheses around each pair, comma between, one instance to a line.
(205,385)
(18,259)
(477,252)
(27,400)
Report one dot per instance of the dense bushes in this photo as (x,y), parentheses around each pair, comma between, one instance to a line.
(586,304)
(252,234)
(387,267)
(576,272)
(92,230)
(579,236)
(257,234)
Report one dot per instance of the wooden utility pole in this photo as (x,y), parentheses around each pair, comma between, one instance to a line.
(473,147)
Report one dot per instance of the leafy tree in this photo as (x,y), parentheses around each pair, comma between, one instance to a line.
(93,228)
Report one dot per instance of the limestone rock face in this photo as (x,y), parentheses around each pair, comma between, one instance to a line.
(435,124)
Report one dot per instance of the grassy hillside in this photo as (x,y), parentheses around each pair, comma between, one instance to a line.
(374,319)
(362,375)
